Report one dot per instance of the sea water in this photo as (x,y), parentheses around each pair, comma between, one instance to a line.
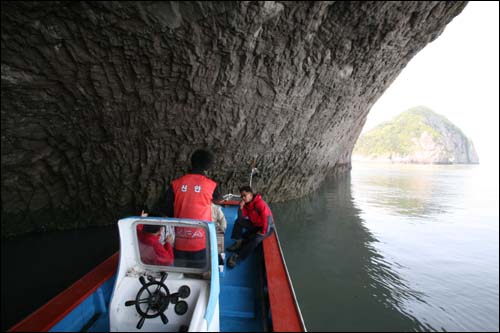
(396,248)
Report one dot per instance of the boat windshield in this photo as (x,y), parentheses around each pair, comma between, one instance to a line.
(177,246)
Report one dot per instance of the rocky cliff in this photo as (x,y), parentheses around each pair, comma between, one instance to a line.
(103,102)
(418,135)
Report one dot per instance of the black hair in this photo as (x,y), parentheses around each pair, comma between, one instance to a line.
(246,188)
(151,228)
(202,159)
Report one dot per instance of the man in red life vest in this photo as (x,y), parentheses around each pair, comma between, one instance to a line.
(190,196)
(254,225)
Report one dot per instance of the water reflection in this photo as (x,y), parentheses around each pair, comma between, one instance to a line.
(36,267)
(341,281)
(406,193)
(382,268)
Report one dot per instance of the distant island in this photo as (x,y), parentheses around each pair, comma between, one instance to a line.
(418,135)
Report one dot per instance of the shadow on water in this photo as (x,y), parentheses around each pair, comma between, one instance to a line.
(436,232)
(37,267)
(341,282)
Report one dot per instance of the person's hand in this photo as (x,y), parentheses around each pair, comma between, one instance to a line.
(143,214)
(242,204)
(170,239)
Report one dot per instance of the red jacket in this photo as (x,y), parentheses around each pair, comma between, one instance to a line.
(259,213)
(151,250)
(193,200)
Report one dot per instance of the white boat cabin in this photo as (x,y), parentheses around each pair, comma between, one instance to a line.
(155,291)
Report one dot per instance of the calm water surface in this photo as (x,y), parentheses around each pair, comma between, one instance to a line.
(37,267)
(388,248)
(396,248)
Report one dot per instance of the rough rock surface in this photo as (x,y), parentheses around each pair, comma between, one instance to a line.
(103,102)
(418,135)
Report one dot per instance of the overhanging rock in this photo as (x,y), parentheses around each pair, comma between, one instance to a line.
(103,102)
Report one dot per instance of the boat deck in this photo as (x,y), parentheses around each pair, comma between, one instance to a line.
(242,301)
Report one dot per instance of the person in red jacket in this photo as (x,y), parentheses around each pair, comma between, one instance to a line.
(254,225)
(151,250)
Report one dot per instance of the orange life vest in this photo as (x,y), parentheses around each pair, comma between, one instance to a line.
(192,200)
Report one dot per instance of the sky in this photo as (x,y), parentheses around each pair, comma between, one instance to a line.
(456,76)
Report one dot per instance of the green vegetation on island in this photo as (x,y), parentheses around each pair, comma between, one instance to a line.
(418,135)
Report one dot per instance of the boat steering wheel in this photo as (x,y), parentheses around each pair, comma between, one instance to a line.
(157,299)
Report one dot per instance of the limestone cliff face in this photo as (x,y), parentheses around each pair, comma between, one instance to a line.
(418,135)
(103,102)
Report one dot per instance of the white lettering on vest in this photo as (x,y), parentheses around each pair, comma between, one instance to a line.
(188,233)
(197,188)
(184,188)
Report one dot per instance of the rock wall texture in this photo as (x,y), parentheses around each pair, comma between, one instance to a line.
(450,147)
(103,102)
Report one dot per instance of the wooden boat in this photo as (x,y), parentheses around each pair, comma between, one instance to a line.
(124,293)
